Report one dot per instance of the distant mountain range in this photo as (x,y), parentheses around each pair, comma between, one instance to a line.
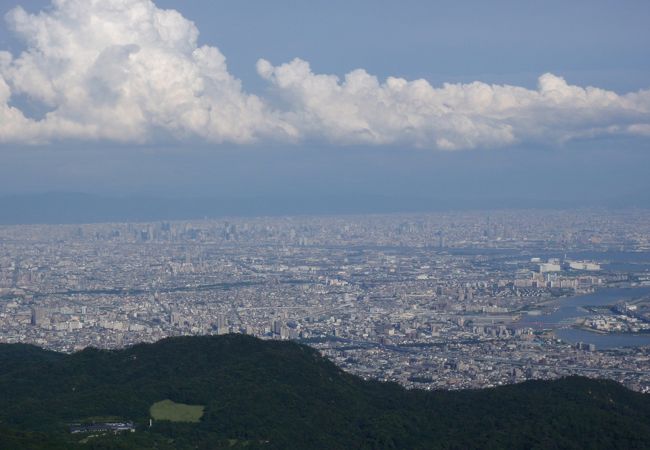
(238,392)
(71,208)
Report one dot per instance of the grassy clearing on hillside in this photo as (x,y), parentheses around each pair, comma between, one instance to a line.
(176,412)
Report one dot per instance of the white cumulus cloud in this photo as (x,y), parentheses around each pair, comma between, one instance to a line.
(128,71)
(362,109)
(123,70)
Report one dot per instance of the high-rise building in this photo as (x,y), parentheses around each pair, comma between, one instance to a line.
(39,315)
(277,327)
(175,318)
(222,324)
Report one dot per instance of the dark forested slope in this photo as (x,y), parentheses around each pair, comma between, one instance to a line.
(272,395)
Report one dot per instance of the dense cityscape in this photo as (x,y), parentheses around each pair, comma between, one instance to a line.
(434,301)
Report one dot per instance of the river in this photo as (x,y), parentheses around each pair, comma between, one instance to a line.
(572,308)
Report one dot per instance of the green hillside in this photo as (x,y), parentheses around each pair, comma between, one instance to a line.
(282,395)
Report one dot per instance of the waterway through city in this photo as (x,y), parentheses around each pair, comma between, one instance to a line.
(573,308)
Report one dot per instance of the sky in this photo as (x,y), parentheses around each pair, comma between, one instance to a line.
(463,103)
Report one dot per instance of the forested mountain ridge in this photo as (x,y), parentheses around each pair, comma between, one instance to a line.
(280,395)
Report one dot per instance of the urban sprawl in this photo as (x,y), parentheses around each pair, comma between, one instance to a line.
(433,301)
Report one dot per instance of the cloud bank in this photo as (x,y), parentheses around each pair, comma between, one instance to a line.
(128,71)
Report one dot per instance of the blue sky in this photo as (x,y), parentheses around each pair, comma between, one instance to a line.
(600,43)
(124,121)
